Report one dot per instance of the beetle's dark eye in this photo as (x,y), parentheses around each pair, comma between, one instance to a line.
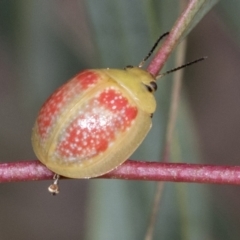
(148,88)
(128,66)
(154,85)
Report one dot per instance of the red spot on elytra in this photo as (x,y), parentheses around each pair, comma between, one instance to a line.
(87,78)
(50,109)
(85,137)
(60,99)
(130,113)
(113,100)
(92,132)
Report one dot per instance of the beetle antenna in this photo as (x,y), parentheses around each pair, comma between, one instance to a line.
(152,50)
(54,188)
(180,67)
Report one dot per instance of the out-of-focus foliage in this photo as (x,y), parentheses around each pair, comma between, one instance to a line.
(44,43)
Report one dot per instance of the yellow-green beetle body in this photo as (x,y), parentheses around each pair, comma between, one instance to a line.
(95,121)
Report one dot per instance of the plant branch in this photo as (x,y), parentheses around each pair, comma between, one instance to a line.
(193,13)
(133,170)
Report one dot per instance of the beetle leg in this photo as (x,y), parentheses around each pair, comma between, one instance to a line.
(54,188)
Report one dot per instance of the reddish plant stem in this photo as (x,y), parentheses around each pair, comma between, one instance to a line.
(24,171)
(132,170)
(171,41)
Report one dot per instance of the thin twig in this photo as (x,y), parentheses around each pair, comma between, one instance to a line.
(173,38)
(132,170)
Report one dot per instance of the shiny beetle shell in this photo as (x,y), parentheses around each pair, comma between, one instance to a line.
(94,122)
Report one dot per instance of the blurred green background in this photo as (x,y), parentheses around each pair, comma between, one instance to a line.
(44,43)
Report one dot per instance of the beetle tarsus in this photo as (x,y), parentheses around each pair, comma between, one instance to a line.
(54,188)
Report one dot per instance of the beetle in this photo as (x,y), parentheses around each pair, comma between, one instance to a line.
(95,121)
